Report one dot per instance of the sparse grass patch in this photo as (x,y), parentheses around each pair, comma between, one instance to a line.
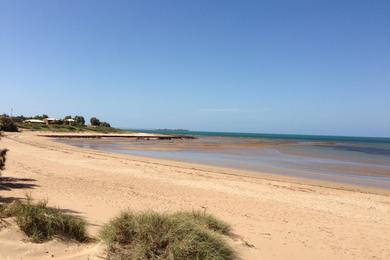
(164,236)
(7,210)
(42,223)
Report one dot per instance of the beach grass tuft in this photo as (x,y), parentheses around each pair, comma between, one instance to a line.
(204,219)
(43,223)
(151,235)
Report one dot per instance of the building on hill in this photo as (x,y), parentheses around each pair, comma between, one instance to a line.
(34,121)
(70,121)
(50,120)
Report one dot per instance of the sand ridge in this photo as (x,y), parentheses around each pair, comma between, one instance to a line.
(282,219)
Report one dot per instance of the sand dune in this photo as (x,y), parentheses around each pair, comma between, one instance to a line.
(273,217)
(15,245)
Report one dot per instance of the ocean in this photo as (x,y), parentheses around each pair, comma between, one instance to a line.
(352,160)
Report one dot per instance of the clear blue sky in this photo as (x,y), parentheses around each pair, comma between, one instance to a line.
(310,67)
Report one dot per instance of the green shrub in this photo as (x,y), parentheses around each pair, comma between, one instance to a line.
(104,124)
(3,153)
(40,117)
(79,120)
(7,124)
(163,236)
(8,209)
(19,119)
(42,223)
(94,121)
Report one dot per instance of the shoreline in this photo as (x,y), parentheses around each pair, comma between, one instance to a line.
(235,170)
(140,136)
(282,217)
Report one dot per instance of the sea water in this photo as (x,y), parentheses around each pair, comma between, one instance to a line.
(353,160)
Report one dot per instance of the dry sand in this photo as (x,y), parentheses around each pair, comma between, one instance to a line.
(281,218)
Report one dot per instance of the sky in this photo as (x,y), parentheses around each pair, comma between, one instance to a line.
(300,67)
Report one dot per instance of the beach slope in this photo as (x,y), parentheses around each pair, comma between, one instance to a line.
(272,218)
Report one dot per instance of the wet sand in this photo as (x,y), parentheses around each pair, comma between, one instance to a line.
(325,161)
(274,217)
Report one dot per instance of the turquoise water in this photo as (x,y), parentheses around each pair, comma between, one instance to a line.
(353,160)
(292,137)
(369,145)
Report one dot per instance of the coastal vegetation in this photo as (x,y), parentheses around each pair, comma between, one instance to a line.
(96,122)
(205,220)
(151,235)
(79,120)
(42,223)
(45,123)
(68,128)
(3,153)
(146,235)
(7,124)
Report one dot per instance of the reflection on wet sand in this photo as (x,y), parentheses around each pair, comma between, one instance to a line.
(354,163)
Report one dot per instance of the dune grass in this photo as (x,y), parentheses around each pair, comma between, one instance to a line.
(42,223)
(146,235)
(178,236)
(204,219)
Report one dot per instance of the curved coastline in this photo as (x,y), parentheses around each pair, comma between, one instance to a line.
(267,211)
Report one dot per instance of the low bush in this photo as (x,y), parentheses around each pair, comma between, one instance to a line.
(94,121)
(104,124)
(3,153)
(42,223)
(7,124)
(164,236)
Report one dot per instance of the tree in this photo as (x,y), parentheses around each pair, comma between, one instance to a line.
(3,152)
(41,117)
(65,120)
(94,121)
(79,120)
(59,122)
(7,124)
(19,119)
(105,124)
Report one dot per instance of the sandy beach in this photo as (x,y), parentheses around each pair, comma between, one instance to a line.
(272,217)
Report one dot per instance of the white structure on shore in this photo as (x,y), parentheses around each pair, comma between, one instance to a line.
(34,121)
(70,121)
(50,120)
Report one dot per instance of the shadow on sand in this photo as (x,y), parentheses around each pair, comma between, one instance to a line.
(11,183)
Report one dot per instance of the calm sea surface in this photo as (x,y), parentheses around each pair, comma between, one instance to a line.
(353,160)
